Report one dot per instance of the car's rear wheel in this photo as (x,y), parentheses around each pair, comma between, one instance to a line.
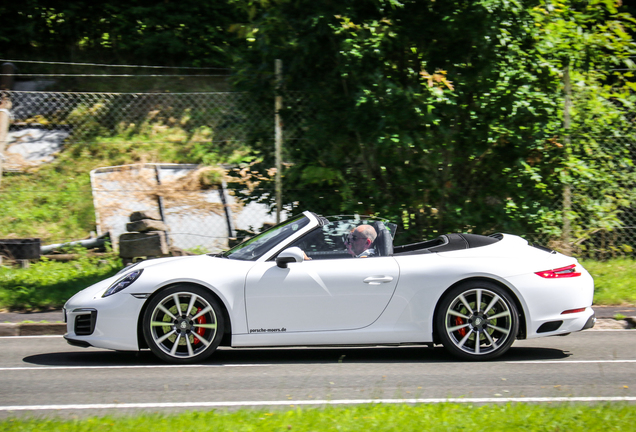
(183,324)
(477,320)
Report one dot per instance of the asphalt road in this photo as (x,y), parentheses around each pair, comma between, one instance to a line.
(44,376)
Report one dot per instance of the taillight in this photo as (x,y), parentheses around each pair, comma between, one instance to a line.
(563,272)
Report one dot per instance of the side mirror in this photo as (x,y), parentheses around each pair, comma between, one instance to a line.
(293,254)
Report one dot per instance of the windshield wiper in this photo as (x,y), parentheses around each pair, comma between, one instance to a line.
(217,255)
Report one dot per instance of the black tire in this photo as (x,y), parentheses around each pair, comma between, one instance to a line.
(477,311)
(189,336)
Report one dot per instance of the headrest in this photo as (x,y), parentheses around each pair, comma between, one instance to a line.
(383,243)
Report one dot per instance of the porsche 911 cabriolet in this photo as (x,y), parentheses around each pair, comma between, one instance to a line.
(317,281)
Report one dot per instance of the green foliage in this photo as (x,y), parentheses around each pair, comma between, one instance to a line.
(48,284)
(583,34)
(444,115)
(186,33)
(590,41)
(399,104)
(376,417)
(448,114)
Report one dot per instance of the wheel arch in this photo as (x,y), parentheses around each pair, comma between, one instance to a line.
(227,328)
(522,314)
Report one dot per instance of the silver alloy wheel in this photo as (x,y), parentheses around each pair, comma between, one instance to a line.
(183,324)
(480,321)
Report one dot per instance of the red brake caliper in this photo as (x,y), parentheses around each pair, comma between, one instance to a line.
(462,331)
(200,331)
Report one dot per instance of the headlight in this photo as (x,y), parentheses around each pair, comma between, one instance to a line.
(128,268)
(123,282)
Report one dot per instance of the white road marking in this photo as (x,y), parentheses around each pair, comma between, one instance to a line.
(155,405)
(568,361)
(128,367)
(268,365)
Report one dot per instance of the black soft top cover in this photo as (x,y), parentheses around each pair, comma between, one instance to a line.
(447,243)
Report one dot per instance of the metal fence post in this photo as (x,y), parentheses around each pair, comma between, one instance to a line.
(6,83)
(8,72)
(5,119)
(566,234)
(279,140)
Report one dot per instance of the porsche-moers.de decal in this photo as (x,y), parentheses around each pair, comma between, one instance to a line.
(263,330)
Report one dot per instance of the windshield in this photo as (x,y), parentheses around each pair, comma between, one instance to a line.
(254,248)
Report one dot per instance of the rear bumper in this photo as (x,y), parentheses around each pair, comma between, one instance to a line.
(563,324)
(590,322)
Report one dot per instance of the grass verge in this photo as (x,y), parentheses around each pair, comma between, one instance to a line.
(614,281)
(375,417)
(48,284)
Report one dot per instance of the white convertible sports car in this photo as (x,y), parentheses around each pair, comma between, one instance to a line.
(301,283)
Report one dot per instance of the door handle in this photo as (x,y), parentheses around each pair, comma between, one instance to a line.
(377,280)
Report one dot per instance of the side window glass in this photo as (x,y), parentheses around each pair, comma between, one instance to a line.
(335,239)
(327,242)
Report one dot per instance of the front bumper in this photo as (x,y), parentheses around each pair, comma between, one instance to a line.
(76,342)
(109,322)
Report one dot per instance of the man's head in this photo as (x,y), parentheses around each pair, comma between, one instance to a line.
(360,239)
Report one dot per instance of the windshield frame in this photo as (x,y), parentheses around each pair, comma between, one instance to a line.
(273,239)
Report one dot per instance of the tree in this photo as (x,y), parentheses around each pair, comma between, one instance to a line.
(589,44)
(169,33)
(445,114)
(422,110)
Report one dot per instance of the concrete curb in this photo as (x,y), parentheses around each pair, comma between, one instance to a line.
(46,329)
(32,329)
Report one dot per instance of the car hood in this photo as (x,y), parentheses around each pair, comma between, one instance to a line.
(211,271)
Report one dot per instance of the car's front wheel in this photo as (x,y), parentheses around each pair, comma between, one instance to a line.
(183,324)
(477,320)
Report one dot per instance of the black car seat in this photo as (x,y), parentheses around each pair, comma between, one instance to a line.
(383,243)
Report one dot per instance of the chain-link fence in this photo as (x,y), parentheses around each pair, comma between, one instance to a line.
(591,238)
(44,121)
(601,217)
(200,210)
(601,236)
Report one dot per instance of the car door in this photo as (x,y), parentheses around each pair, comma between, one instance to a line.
(331,291)
(319,295)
